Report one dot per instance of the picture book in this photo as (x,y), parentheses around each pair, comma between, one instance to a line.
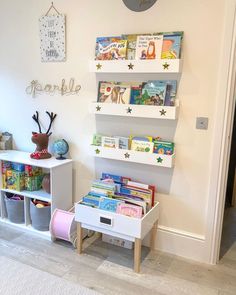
(91,200)
(129,210)
(110,48)
(145,195)
(149,47)
(114,93)
(142,146)
(136,94)
(171,46)
(116,178)
(163,147)
(153,93)
(141,138)
(171,87)
(123,142)
(109,204)
(131,45)
(97,139)
(110,142)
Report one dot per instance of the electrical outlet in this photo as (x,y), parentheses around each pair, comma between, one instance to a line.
(202,123)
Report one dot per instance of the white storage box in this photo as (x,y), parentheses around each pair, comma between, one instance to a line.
(117,241)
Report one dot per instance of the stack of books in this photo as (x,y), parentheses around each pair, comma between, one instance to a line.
(119,194)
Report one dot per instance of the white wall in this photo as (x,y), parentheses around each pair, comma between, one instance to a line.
(183,190)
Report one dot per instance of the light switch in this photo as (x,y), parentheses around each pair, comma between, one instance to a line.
(202,123)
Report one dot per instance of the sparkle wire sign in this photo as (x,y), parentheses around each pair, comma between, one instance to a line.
(52,37)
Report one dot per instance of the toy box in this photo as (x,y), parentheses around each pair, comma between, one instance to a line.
(15,180)
(33,183)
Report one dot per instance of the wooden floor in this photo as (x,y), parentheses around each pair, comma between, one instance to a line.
(108,269)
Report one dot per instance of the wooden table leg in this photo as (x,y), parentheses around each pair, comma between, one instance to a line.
(79,238)
(137,254)
(153,236)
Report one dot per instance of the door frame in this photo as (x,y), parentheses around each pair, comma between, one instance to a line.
(222,136)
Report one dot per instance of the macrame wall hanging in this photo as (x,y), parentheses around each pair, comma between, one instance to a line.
(52,31)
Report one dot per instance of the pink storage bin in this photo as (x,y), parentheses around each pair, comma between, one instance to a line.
(63,226)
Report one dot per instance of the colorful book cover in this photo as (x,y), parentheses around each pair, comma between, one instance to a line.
(124,142)
(163,147)
(141,138)
(114,93)
(142,146)
(91,200)
(108,204)
(149,47)
(116,178)
(136,95)
(110,142)
(129,210)
(131,45)
(171,87)
(153,93)
(110,48)
(171,46)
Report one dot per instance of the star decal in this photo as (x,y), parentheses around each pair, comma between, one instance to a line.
(127,155)
(129,110)
(98,108)
(162,112)
(166,66)
(159,160)
(97,151)
(99,66)
(130,66)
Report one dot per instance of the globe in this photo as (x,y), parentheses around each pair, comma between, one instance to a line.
(60,147)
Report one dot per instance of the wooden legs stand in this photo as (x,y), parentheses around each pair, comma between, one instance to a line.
(137,254)
(153,236)
(79,238)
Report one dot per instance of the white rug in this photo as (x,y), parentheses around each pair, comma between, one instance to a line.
(19,279)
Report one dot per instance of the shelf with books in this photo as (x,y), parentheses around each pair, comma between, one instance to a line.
(132,110)
(160,160)
(136,66)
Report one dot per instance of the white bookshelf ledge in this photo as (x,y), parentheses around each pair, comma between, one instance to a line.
(136,66)
(133,156)
(132,110)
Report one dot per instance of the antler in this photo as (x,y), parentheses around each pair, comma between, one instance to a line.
(36,119)
(52,118)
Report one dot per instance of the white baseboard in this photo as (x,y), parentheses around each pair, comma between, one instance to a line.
(180,243)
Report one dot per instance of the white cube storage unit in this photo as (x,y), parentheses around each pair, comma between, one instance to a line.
(60,195)
(118,225)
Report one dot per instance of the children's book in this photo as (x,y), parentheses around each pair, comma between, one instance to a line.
(171,46)
(149,47)
(136,94)
(110,48)
(129,210)
(153,93)
(109,204)
(131,45)
(142,146)
(114,93)
(116,178)
(123,142)
(110,142)
(171,87)
(163,147)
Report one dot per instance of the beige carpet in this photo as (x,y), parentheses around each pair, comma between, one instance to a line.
(19,279)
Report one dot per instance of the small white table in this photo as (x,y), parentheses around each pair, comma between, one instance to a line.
(121,226)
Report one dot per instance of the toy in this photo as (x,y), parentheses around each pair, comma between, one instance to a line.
(63,226)
(41,139)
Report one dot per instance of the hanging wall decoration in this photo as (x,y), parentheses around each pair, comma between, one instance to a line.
(139,5)
(52,30)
